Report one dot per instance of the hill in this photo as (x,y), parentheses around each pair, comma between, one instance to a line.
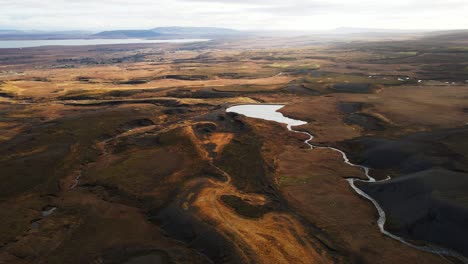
(128,34)
(168,32)
(429,205)
(448,36)
(194,31)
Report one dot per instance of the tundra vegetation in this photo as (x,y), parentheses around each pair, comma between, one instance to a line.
(125,154)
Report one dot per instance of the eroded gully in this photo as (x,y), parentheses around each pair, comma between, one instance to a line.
(382,216)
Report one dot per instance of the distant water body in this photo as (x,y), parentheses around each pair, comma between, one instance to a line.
(9,44)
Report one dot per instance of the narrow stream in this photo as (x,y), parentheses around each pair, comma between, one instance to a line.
(269,112)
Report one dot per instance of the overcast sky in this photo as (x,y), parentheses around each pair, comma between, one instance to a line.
(238,14)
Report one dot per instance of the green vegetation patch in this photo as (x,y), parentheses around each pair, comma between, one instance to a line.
(38,159)
(97,233)
(408,53)
(296,180)
(14,221)
(143,165)
(133,81)
(332,78)
(274,58)
(247,88)
(450,71)
(242,159)
(138,170)
(366,121)
(460,48)
(348,83)
(82,94)
(186,77)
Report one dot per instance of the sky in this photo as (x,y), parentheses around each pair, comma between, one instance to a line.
(300,15)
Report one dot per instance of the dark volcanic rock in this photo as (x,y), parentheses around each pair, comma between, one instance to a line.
(428,199)
(185,226)
(186,77)
(176,110)
(300,89)
(136,123)
(7,95)
(244,208)
(134,81)
(430,205)
(352,87)
(413,153)
(350,107)
(202,94)
(366,121)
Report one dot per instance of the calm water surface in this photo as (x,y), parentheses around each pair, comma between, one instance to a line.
(266,112)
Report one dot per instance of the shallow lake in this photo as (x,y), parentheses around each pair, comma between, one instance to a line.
(266,112)
(4,44)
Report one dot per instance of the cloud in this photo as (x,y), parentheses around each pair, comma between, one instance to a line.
(292,10)
(241,14)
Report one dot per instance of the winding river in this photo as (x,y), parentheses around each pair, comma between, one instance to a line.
(270,112)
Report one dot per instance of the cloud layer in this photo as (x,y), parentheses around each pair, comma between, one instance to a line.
(241,14)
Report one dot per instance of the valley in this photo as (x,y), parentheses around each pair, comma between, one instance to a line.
(129,153)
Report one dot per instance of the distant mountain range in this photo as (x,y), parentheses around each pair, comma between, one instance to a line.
(159,32)
(353,30)
(448,35)
(40,32)
(169,31)
(127,34)
(215,32)
(195,30)
(12,34)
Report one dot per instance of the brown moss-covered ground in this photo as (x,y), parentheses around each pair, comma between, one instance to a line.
(132,147)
